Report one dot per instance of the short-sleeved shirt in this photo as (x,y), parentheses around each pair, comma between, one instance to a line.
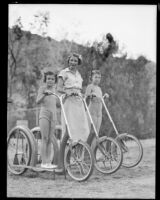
(71,80)
(95,105)
(94,89)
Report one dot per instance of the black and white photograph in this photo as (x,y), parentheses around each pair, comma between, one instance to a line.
(81,101)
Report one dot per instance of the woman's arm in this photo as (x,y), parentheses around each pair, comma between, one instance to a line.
(40,95)
(60,86)
(88,91)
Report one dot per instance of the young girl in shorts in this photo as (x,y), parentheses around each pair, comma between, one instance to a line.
(94,93)
(47,119)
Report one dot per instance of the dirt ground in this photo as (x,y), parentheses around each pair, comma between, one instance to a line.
(137,182)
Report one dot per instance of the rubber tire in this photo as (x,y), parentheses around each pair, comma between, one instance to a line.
(92,162)
(94,146)
(140,146)
(25,131)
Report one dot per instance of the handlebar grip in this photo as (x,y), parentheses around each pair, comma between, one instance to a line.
(45,93)
(72,94)
(106,95)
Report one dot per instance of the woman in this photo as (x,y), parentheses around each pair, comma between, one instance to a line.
(69,82)
(47,119)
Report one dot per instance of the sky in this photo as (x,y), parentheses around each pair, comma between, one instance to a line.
(134,27)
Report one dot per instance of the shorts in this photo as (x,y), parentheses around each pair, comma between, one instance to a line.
(44,113)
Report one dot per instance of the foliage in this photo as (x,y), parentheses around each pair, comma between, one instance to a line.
(129,82)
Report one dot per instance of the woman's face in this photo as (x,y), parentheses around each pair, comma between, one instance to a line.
(50,80)
(96,78)
(73,61)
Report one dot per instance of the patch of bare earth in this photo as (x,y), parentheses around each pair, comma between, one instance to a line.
(137,182)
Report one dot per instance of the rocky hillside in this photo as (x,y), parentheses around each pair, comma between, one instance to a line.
(130,83)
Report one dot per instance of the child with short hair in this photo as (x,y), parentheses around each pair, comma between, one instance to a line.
(94,93)
(47,119)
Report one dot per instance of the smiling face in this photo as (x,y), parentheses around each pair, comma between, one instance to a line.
(50,80)
(73,61)
(96,78)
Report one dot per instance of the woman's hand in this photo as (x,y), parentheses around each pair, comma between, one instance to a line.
(60,86)
(75,93)
(92,95)
(58,104)
(47,92)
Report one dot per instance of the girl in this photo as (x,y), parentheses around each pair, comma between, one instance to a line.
(94,93)
(47,119)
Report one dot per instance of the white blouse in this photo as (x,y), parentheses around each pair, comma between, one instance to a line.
(71,80)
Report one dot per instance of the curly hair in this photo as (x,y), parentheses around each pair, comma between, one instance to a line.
(77,56)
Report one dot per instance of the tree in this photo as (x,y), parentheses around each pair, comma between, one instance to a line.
(14,47)
(23,70)
(40,23)
(107,47)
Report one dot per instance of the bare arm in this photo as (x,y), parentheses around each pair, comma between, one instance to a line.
(88,91)
(40,95)
(60,87)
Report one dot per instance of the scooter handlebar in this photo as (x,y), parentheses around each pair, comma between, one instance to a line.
(66,95)
(106,95)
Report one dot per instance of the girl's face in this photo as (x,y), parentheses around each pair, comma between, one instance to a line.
(50,80)
(73,61)
(96,78)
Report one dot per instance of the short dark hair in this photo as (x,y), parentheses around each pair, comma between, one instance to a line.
(49,73)
(93,72)
(77,56)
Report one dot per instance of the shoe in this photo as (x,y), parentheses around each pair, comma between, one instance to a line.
(48,166)
(44,165)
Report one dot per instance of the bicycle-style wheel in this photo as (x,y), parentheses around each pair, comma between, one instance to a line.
(107,154)
(131,148)
(19,150)
(37,135)
(79,161)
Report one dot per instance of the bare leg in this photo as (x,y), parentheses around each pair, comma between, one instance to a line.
(44,126)
(99,121)
(48,151)
(62,150)
(54,150)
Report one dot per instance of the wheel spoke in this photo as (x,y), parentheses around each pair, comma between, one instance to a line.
(132,150)
(16,150)
(80,166)
(81,161)
(106,163)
